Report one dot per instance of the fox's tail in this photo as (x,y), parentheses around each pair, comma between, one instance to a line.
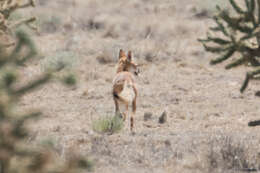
(128,93)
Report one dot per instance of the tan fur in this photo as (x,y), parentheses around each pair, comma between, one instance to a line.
(124,87)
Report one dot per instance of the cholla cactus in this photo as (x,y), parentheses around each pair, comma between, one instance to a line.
(15,154)
(6,9)
(237,35)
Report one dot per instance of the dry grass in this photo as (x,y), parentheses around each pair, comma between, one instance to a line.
(228,153)
(106,57)
(68,58)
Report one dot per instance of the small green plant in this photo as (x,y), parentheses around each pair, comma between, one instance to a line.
(108,124)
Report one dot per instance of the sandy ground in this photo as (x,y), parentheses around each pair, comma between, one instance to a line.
(207,115)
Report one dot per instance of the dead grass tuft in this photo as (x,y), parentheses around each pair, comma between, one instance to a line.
(49,24)
(111,33)
(150,56)
(68,58)
(105,58)
(93,24)
(228,154)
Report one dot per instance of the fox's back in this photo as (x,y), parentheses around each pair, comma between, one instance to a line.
(121,77)
(123,85)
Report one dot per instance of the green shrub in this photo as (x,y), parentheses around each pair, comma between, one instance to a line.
(108,124)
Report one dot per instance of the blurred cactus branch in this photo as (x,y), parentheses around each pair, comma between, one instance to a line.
(23,21)
(7,7)
(249,76)
(13,131)
(26,42)
(14,56)
(27,4)
(33,84)
(8,44)
(236,36)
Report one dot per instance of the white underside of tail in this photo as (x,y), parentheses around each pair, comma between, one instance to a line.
(128,93)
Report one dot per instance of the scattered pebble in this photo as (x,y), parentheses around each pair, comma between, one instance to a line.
(147,116)
(163,118)
(167,142)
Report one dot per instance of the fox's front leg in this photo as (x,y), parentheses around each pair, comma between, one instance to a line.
(117,112)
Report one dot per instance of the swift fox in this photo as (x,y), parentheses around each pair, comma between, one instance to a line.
(124,87)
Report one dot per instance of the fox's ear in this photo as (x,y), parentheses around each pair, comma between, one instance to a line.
(129,55)
(121,53)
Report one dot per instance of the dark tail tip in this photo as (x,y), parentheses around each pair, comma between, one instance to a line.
(115,95)
(254,123)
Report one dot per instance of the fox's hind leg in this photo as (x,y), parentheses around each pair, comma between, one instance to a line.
(133,110)
(132,114)
(120,101)
(125,112)
(117,111)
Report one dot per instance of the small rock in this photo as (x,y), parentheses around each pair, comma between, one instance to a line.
(85,93)
(56,129)
(254,123)
(147,116)
(191,8)
(257,94)
(163,118)
(167,142)
(202,14)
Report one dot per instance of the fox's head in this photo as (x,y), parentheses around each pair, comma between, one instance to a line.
(125,63)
